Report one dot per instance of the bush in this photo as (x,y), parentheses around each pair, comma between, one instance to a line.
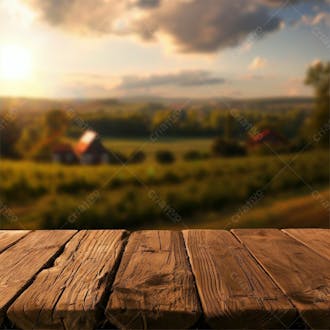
(117,158)
(227,148)
(165,157)
(194,155)
(137,157)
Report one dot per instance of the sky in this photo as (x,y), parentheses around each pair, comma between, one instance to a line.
(166,48)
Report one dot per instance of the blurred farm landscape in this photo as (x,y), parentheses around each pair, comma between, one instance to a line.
(168,164)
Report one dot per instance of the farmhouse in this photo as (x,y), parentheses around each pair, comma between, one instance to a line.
(268,136)
(90,149)
(64,153)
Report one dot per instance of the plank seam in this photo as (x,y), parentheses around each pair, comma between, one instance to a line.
(270,277)
(112,275)
(201,317)
(48,264)
(15,242)
(302,242)
(65,285)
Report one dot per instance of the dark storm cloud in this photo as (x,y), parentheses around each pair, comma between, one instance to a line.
(181,79)
(194,26)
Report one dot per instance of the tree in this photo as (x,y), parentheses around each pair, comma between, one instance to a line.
(38,139)
(228,126)
(29,141)
(318,76)
(9,135)
(56,123)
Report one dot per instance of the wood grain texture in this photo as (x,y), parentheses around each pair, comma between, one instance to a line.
(70,295)
(154,286)
(316,239)
(300,272)
(235,291)
(22,261)
(10,237)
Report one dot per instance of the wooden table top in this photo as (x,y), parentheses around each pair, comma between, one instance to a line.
(157,279)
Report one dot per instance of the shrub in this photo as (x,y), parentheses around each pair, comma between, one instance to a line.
(227,148)
(137,157)
(165,157)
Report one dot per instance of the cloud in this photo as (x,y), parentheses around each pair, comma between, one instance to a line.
(316,19)
(294,86)
(180,79)
(81,84)
(257,63)
(209,25)
(85,17)
(193,26)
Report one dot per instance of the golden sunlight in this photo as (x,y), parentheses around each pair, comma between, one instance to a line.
(15,62)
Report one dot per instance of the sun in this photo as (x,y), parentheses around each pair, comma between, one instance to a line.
(15,62)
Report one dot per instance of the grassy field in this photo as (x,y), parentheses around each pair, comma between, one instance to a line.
(288,210)
(177,146)
(151,194)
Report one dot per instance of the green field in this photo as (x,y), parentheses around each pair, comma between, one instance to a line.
(150,195)
(177,146)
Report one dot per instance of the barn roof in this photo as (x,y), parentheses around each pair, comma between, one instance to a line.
(85,141)
(62,148)
(262,136)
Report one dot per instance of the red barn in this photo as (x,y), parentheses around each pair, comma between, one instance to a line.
(63,153)
(90,149)
(269,137)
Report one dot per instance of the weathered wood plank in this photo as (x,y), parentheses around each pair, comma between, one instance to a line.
(70,294)
(154,285)
(9,237)
(235,291)
(22,261)
(300,272)
(316,239)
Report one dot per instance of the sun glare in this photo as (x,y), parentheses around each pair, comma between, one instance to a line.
(15,62)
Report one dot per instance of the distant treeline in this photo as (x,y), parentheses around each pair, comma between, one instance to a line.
(197,122)
(165,117)
(31,134)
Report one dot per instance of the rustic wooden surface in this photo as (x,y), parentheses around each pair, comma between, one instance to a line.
(299,271)
(21,262)
(77,284)
(234,290)
(8,238)
(252,278)
(316,239)
(154,286)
